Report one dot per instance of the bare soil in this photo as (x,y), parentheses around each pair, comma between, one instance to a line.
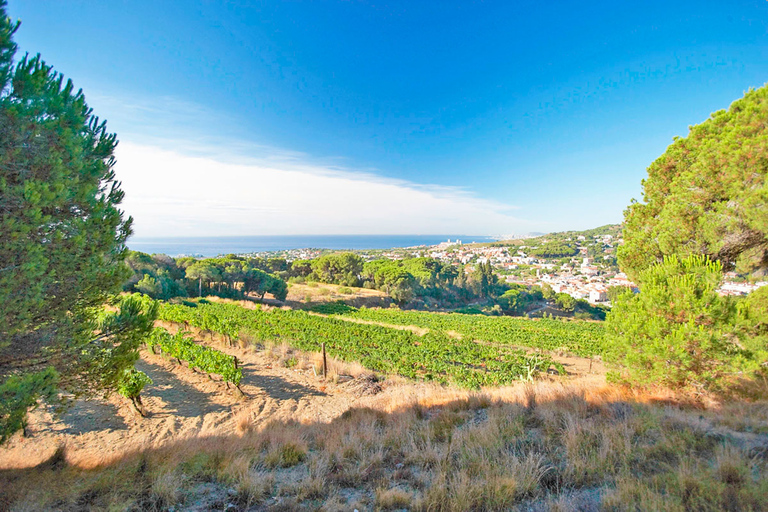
(303,295)
(183,404)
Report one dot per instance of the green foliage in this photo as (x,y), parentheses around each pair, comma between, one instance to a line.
(20,393)
(520,299)
(486,279)
(421,278)
(565,302)
(203,271)
(59,199)
(332,308)
(614,292)
(132,382)
(434,356)
(554,249)
(62,238)
(233,277)
(120,334)
(753,314)
(707,194)
(678,331)
(580,338)
(158,276)
(183,347)
(586,311)
(148,285)
(342,268)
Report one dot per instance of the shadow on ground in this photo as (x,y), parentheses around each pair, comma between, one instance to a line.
(181,399)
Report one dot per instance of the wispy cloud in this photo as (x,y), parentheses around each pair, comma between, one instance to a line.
(203,181)
(172,194)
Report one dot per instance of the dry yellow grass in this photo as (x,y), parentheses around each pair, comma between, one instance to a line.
(542,446)
(301,294)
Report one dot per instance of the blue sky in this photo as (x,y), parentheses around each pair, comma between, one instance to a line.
(257,118)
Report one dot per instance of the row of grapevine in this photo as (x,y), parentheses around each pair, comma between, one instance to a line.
(434,356)
(183,347)
(580,338)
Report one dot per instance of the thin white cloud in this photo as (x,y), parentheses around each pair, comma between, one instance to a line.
(174,194)
(187,171)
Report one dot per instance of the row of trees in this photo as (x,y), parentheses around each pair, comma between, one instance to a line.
(162,277)
(404,280)
(555,249)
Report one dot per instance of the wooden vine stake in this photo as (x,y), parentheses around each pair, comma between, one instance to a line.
(325,364)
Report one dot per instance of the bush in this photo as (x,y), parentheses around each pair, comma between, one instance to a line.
(678,331)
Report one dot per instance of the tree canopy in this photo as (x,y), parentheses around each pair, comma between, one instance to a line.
(707,194)
(62,240)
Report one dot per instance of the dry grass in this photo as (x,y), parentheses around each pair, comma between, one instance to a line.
(547,446)
(284,355)
(303,294)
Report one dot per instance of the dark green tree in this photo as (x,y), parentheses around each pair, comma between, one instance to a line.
(62,239)
(565,302)
(203,271)
(342,268)
(680,332)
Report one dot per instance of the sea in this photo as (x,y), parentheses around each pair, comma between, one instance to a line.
(214,246)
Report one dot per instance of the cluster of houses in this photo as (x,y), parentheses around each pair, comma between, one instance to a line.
(585,283)
(581,278)
(731,287)
(289,254)
(498,256)
(586,280)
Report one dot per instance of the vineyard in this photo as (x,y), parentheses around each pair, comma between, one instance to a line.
(182,347)
(434,356)
(580,338)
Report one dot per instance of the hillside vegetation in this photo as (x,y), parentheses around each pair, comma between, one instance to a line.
(707,194)
(419,411)
(432,356)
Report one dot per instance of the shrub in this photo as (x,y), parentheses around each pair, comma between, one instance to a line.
(678,331)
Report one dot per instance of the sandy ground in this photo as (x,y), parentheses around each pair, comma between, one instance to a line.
(182,403)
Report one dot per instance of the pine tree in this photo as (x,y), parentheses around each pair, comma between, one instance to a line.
(62,241)
(707,194)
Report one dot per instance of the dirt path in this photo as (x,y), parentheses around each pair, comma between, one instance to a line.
(181,403)
(420,331)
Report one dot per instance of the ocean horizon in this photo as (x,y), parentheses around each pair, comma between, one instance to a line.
(216,245)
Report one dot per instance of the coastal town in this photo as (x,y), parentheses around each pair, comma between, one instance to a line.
(585,268)
(585,275)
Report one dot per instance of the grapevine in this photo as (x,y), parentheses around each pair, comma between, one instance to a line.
(182,347)
(433,356)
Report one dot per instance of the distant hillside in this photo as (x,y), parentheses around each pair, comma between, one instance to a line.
(609,229)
